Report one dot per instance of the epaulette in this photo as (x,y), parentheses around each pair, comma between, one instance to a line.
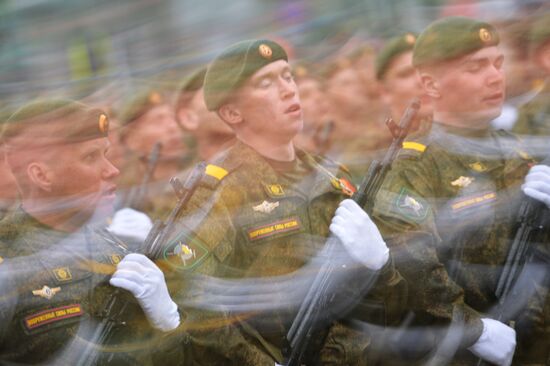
(216,171)
(412,149)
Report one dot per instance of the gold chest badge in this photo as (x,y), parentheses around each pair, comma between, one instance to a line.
(46,292)
(462,182)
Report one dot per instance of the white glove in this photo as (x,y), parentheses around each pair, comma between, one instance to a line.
(496,344)
(132,224)
(537,184)
(359,235)
(139,275)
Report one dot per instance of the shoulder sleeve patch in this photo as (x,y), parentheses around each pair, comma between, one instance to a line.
(410,206)
(185,253)
(403,205)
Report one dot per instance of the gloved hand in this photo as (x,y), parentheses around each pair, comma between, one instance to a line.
(537,184)
(131,224)
(139,275)
(496,344)
(359,235)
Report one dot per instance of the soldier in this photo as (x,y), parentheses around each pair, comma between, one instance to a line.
(318,128)
(359,136)
(451,195)
(210,134)
(56,258)
(534,117)
(148,123)
(399,83)
(264,208)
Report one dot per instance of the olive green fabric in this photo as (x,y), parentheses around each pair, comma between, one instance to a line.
(393,48)
(540,31)
(140,103)
(63,120)
(76,268)
(452,37)
(230,69)
(534,117)
(231,236)
(450,199)
(194,81)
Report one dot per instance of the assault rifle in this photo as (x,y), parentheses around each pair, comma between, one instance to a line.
(319,296)
(531,220)
(113,311)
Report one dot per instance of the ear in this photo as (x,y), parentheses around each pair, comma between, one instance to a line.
(40,176)
(429,84)
(187,119)
(230,114)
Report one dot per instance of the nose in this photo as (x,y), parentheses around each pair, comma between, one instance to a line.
(109,170)
(496,76)
(287,88)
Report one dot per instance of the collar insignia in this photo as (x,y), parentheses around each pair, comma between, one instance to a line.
(478,167)
(62,274)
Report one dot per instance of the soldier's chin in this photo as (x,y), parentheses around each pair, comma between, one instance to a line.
(493,113)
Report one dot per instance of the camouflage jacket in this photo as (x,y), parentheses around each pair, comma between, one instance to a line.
(246,220)
(534,117)
(450,201)
(54,288)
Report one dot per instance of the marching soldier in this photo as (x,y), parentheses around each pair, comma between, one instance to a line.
(452,194)
(264,208)
(56,258)
(534,117)
(398,82)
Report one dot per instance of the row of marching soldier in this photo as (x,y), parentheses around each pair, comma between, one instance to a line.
(260,250)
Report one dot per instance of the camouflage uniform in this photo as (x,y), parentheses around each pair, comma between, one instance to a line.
(54,288)
(534,117)
(452,197)
(231,237)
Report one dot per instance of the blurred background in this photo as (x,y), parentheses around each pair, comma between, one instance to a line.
(80,47)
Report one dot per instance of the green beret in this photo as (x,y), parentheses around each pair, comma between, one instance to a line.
(392,49)
(305,70)
(138,105)
(452,37)
(190,85)
(540,31)
(56,120)
(235,65)
(194,81)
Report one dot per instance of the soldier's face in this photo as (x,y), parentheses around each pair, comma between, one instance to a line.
(157,125)
(346,91)
(82,177)
(314,102)
(401,84)
(471,88)
(269,103)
